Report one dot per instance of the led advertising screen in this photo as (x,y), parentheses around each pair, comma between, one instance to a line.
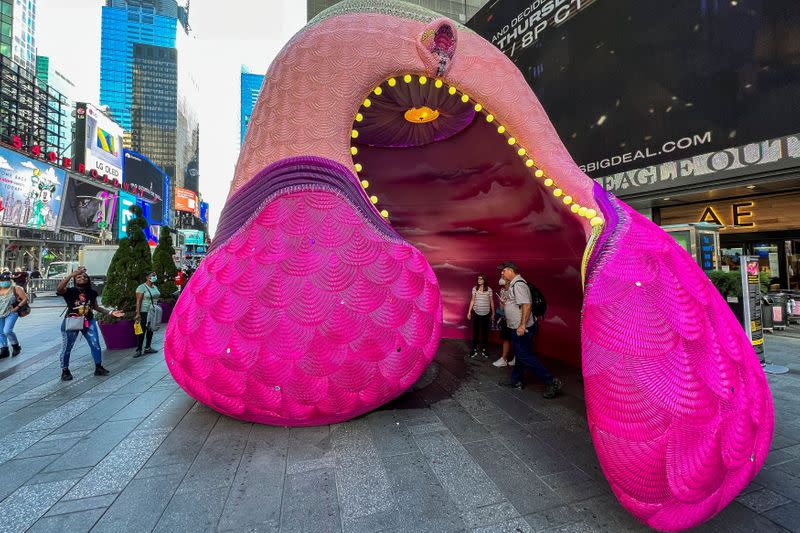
(139,171)
(30,192)
(87,207)
(99,141)
(193,236)
(204,212)
(630,84)
(186,201)
(126,201)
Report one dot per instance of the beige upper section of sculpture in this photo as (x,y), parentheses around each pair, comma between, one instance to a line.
(317,83)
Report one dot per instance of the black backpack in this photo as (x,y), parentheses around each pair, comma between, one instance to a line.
(538,303)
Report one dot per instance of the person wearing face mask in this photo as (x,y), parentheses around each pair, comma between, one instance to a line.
(482,304)
(11,299)
(505,333)
(147,295)
(81,300)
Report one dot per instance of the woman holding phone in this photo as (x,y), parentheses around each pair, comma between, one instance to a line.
(81,300)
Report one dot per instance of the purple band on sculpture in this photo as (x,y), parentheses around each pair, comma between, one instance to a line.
(313,172)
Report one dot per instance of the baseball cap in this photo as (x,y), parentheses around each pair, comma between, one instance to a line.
(508,264)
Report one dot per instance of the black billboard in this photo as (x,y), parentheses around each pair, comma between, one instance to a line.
(87,207)
(138,170)
(633,83)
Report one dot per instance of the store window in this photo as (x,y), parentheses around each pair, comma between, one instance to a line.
(768,261)
(793,264)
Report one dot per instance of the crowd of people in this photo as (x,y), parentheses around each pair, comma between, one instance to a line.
(517,318)
(516,315)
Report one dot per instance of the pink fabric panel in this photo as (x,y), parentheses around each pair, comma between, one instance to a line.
(678,405)
(307,316)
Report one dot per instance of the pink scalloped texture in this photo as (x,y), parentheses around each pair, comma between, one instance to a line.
(306,316)
(678,405)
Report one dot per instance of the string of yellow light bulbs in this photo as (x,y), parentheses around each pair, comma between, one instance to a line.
(548,182)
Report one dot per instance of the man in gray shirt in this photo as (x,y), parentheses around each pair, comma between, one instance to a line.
(523,326)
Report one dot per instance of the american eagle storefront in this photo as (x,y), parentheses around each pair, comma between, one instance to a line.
(752,192)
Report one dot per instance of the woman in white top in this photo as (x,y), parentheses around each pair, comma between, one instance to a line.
(482,305)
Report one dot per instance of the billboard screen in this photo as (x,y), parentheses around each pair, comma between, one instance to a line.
(30,192)
(204,212)
(139,171)
(126,201)
(186,201)
(631,83)
(99,141)
(88,207)
(193,236)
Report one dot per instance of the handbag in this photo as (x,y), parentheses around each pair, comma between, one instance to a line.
(154,314)
(74,323)
(23,310)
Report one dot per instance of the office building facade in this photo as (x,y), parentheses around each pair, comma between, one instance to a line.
(39,115)
(250,87)
(147,80)
(154,104)
(23,45)
(458,10)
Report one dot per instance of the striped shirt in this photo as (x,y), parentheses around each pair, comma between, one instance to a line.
(483,301)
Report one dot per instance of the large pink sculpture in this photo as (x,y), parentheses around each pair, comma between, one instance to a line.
(391,155)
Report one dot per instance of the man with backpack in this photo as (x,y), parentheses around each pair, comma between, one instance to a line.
(523,309)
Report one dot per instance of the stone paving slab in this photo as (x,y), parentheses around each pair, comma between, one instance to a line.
(132,452)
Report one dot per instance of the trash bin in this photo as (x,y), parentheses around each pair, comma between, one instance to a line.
(794,307)
(766,313)
(780,309)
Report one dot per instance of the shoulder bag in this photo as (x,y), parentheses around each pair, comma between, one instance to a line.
(154,314)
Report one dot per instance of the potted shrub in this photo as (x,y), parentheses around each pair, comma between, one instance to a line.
(729,285)
(165,269)
(128,268)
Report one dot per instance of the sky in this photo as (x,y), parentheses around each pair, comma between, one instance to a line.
(246,33)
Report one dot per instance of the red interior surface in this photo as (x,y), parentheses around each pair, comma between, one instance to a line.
(469,203)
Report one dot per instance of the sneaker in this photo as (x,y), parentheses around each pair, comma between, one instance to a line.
(137,354)
(150,350)
(552,389)
(512,384)
(15,349)
(473,354)
(4,352)
(512,362)
(66,375)
(500,363)
(100,371)
(484,354)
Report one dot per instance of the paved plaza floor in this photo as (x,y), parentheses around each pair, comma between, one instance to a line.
(132,452)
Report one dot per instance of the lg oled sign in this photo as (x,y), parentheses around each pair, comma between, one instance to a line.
(98,141)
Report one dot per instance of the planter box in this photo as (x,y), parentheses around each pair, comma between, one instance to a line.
(118,335)
(167,308)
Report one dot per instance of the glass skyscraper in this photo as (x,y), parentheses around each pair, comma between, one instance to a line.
(154,119)
(147,80)
(251,86)
(125,23)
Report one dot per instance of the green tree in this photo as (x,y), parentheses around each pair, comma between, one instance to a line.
(129,266)
(164,264)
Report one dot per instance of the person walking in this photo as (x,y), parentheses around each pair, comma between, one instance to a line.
(20,278)
(523,324)
(482,304)
(12,298)
(505,333)
(147,295)
(81,300)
